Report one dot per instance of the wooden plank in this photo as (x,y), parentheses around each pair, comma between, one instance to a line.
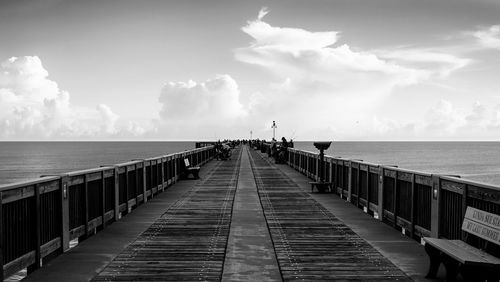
(484,194)
(310,243)
(76,180)
(457,251)
(421,231)
(452,186)
(50,247)
(132,203)
(93,224)
(188,242)
(47,187)
(389,173)
(405,176)
(94,176)
(18,264)
(76,232)
(423,179)
(109,215)
(17,194)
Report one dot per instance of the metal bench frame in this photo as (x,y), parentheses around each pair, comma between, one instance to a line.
(459,257)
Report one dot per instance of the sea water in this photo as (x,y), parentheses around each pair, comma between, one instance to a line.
(479,161)
(26,160)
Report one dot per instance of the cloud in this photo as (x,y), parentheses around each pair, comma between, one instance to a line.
(488,37)
(320,84)
(444,121)
(198,109)
(33,107)
(300,54)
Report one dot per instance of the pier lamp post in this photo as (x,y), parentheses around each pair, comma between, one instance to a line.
(274,129)
(321,185)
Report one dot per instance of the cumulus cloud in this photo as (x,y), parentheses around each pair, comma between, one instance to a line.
(33,107)
(329,86)
(300,54)
(488,37)
(198,109)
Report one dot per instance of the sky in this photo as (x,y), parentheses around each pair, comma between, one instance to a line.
(344,70)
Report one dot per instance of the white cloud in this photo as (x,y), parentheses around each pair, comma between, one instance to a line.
(321,85)
(488,37)
(33,107)
(198,109)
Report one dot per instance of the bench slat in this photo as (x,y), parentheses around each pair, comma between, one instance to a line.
(457,251)
(480,253)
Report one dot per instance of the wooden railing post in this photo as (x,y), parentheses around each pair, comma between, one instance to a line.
(395,200)
(38,254)
(103,195)
(162,170)
(349,182)
(117,193)
(86,196)
(64,213)
(413,205)
(144,189)
(127,205)
(435,212)
(380,209)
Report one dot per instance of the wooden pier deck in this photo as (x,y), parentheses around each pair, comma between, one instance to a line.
(245,220)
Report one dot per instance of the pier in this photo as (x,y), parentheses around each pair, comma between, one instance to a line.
(245,219)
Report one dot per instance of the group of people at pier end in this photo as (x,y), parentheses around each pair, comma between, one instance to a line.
(275,149)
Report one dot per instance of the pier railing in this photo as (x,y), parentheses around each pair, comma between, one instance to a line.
(417,203)
(39,218)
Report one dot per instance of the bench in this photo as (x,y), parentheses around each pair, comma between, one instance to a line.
(321,186)
(459,257)
(188,169)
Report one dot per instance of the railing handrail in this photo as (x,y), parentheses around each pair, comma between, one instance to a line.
(45,213)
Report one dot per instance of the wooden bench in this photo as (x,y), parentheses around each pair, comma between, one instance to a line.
(459,257)
(188,169)
(321,186)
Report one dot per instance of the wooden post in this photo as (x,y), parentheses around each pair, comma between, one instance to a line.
(117,193)
(358,182)
(38,254)
(368,181)
(103,196)
(413,204)
(464,204)
(126,190)
(162,170)
(64,213)
(435,213)
(380,209)
(349,182)
(136,182)
(86,197)
(395,200)
(144,181)
(151,177)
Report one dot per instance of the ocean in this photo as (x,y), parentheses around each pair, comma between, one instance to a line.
(26,160)
(479,161)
